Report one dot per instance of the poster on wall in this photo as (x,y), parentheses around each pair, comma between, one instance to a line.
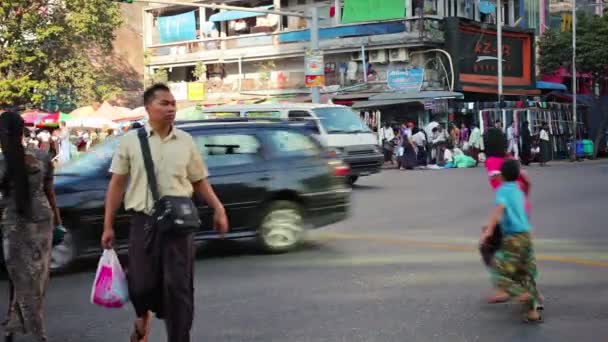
(196,91)
(407,80)
(179,90)
(314,68)
(177,28)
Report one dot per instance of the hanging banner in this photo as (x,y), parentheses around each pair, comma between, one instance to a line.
(196,91)
(372,10)
(405,79)
(177,28)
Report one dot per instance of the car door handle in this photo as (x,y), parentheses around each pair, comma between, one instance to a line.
(265,178)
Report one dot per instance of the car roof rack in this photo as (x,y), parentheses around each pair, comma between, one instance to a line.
(243,119)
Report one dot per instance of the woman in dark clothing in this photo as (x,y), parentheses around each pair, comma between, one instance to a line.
(27,227)
(526,144)
(409,154)
(545,145)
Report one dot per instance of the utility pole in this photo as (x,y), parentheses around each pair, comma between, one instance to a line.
(574,114)
(499,52)
(315,92)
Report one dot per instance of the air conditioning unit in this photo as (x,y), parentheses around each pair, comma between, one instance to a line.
(399,55)
(355,56)
(377,56)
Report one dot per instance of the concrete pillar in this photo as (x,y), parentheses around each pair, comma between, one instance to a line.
(338,15)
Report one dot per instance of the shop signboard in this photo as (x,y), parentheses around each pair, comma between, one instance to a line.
(405,79)
(314,68)
(477,64)
(196,91)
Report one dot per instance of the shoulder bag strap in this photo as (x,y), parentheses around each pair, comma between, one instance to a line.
(142,134)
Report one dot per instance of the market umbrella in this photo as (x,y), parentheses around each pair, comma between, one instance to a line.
(49,120)
(136,114)
(190,113)
(91,123)
(33,117)
(83,112)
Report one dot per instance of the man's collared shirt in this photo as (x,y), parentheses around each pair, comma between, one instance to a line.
(177,164)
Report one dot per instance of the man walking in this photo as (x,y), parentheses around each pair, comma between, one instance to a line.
(513,139)
(160,278)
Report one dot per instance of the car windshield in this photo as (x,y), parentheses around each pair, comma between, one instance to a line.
(90,162)
(338,120)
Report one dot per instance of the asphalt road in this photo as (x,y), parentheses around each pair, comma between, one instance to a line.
(402,268)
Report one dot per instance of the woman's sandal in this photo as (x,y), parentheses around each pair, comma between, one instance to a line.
(532,320)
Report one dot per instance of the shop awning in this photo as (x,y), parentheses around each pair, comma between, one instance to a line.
(235,15)
(418,96)
(550,86)
(377,104)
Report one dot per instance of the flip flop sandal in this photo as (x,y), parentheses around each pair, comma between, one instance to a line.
(136,335)
(533,321)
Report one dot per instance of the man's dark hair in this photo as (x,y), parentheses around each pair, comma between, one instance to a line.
(136,125)
(510,170)
(150,93)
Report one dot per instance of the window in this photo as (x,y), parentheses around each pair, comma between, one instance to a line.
(263,114)
(299,114)
(94,161)
(229,149)
(292,144)
(340,120)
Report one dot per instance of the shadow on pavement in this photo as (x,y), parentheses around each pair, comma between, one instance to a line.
(215,249)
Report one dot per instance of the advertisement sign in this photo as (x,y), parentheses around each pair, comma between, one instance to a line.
(315,81)
(313,60)
(477,64)
(405,79)
(179,90)
(196,91)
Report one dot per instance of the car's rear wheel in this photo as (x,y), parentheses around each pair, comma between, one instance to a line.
(282,227)
(352,179)
(63,255)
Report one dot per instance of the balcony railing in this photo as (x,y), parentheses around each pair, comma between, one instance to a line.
(413,30)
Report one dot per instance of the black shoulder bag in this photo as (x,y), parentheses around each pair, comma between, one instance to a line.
(173,214)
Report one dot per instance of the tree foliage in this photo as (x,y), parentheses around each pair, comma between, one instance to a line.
(591,47)
(591,55)
(50,45)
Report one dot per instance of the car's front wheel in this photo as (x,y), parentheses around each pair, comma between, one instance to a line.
(282,227)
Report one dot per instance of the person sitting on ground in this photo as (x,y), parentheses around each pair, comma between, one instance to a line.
(515,263)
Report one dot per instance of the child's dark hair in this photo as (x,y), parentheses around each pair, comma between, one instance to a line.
(496,143)
(510,170)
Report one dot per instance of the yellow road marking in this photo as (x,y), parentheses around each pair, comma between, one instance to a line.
(458,248)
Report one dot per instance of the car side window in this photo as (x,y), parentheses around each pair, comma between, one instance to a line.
(292,144)
(299,115)
(229,149)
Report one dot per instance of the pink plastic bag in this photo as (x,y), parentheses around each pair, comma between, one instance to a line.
(110,288)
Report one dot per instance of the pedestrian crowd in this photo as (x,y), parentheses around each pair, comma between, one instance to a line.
(434,147)
(161,248)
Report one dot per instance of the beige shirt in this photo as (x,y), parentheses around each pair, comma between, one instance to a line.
(177,163)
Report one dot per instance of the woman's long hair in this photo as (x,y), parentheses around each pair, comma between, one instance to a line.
(15,182)
(495,143)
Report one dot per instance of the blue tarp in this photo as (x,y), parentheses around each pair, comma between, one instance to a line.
(234,15)
(344,31)
(177,28)
(550,86)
